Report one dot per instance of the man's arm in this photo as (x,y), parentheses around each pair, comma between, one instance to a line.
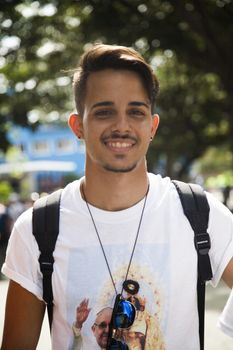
(23,319)
(228,274)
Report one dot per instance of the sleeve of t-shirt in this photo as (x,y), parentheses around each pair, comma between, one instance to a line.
(221,237)
(21,264)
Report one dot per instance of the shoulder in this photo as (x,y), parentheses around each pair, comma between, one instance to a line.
(220,216)
(71,191)
(24,220)
(162,190)
(216,204)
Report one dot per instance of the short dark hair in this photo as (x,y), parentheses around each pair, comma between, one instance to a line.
(101,57)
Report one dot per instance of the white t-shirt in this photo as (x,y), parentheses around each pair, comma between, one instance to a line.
(164,264)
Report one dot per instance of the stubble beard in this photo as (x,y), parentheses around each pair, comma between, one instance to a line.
(118,169)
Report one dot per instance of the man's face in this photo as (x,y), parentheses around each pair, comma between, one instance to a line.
(117,123)
(101,327)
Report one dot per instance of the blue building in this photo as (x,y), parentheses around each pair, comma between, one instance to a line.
(46,156)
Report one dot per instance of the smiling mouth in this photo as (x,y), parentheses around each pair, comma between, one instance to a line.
(119,142)
(119,145)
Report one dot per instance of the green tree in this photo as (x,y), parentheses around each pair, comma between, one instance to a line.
(40,42)
(217,163)
(189,106)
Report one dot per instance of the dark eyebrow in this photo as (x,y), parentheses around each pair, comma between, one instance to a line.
(102,104)
(139,103)
(109,103)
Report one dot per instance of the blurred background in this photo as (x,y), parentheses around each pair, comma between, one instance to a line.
(188,43)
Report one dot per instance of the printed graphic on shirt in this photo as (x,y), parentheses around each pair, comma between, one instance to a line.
(93,312)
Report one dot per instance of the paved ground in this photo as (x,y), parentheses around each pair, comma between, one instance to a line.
(215,339)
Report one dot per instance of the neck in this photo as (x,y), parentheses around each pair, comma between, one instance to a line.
(115,191)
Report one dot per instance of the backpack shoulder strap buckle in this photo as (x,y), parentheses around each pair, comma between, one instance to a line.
(202,243)
(46,263)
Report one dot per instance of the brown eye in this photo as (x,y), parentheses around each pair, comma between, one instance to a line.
(137,112)
(103,113)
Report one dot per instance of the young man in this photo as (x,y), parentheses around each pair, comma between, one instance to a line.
(121,229)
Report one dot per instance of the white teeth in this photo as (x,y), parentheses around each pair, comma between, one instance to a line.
(120,144)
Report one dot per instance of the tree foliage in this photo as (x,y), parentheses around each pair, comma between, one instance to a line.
(189,42)
(189,106)
(40,43)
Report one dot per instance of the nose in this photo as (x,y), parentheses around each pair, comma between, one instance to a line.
(106,328)
(121,123)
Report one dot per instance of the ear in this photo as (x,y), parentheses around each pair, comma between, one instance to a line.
(155,124)
(76,125)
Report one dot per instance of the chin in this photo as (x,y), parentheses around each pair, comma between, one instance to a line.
(120,169)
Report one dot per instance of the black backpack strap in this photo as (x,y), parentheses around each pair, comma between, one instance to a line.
(45,223)
(196,208)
